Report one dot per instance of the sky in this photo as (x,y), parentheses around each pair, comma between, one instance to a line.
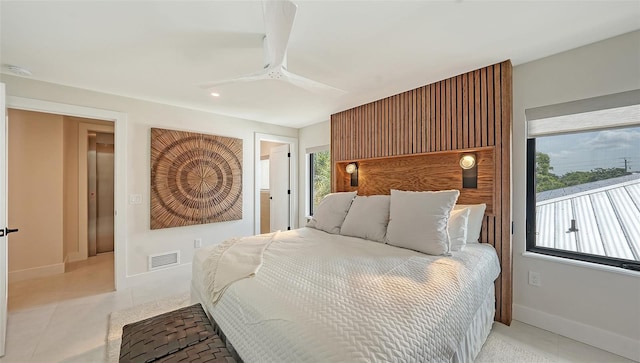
(595,149)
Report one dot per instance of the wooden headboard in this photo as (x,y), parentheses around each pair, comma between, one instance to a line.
(413,141)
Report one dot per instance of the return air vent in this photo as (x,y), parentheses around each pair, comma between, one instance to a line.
(164,260)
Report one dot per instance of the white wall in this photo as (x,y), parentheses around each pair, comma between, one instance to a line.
(311,136)
(141,116)
(596,306)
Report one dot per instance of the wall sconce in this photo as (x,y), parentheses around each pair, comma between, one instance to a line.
(468,161)
(469,171)
(352,169)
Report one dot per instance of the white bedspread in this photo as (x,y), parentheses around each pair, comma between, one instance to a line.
(328,298)
(233,260)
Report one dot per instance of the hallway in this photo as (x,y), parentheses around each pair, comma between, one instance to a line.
(92,276)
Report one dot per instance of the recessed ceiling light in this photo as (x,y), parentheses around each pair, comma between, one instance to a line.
(215,94)
(19,71)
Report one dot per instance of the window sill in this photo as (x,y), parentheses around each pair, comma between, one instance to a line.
(589,265)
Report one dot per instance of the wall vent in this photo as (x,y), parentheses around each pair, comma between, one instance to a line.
(164,260)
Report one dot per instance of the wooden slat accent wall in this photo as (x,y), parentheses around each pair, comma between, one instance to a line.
(469,111)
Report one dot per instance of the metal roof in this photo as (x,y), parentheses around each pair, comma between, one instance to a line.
(606,215)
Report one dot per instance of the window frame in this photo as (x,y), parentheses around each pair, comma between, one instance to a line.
(531,223)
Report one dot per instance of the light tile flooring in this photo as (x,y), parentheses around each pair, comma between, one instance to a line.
(64,318)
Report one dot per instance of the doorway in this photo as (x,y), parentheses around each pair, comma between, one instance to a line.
(47,166)
(276,183)
(274,209)
(100,188)
(119,122)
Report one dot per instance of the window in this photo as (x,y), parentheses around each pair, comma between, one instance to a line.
(583,185)
(319,176)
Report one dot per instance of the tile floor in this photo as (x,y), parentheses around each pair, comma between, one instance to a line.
(64,318)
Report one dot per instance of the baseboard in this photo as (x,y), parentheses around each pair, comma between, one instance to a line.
(599,338)
(35,272)
(158,276)
(75,256)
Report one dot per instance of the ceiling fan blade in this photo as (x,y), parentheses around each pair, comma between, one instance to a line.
(311,85)
(279,16)
(263,74)
(278,22)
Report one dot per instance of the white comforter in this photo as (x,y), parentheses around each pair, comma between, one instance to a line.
(320,297)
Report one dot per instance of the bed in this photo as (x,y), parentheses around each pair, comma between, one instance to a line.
(327,297)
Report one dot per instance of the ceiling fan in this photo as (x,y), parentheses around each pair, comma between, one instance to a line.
(278,18)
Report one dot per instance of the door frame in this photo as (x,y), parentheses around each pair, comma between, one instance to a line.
(4,241)
(120,132)
(83,176)
(293,180)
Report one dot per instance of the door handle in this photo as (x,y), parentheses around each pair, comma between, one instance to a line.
(6,231)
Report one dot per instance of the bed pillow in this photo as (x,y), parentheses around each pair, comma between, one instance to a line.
(418,220)
(476,214)
(331,211)
(458,221)
(367,218)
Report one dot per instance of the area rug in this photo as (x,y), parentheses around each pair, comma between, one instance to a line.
(119,319)
(495,349)
(498,350)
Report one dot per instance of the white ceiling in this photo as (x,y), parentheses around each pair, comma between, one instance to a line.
(163,51)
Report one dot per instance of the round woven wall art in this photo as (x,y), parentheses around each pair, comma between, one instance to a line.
(195,178)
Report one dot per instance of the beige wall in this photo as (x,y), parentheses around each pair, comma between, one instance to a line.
(265,147)
(43,197)
(35,189)
(70,186)
(265,212)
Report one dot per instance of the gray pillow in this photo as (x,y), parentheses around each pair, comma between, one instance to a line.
(458,224)
(418,220)
(367,218)
(331,211)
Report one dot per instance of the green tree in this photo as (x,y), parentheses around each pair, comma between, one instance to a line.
(545,179)
(576,178)
(543,164)
(608,173)
(321,176)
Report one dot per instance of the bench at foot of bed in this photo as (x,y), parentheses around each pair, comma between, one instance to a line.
(183,335)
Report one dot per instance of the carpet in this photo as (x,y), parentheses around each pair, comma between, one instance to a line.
(498,350)
(495,350)
(119,319)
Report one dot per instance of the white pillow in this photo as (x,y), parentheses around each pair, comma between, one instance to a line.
(331,211)
(476,214)
(367,218)
(418,220)
(458,220)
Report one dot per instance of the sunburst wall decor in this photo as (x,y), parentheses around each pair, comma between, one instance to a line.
(195,178)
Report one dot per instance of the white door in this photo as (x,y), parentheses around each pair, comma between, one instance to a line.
(279,189)
(3,219)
